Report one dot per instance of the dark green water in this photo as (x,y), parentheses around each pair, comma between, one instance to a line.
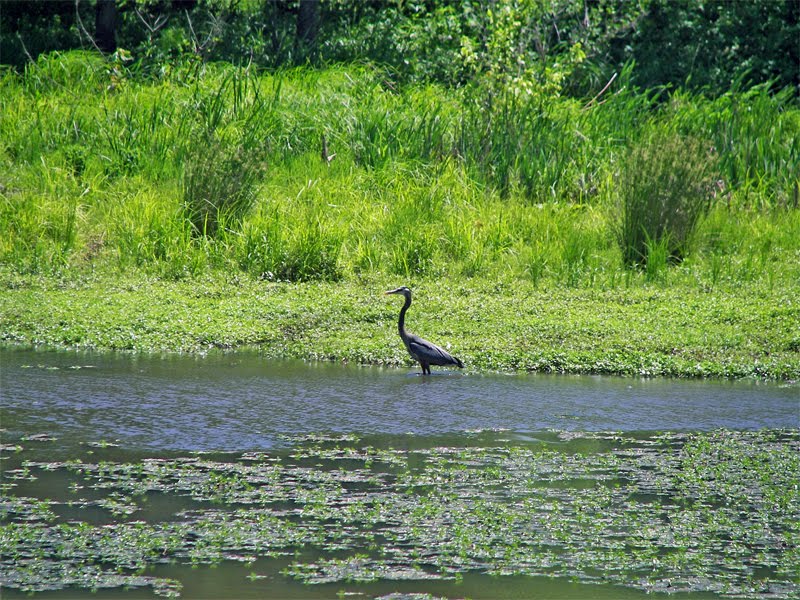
(227,476)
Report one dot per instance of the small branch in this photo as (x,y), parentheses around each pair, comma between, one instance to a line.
(200,48)
(83,29)
(157,24)
(24,48)
(600,93)
(191,30)
(50,79)
(555,27)
(328,158)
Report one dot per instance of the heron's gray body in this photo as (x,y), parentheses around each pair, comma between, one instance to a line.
(424,352)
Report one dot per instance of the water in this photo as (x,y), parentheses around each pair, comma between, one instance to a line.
(158,411)
(241,402)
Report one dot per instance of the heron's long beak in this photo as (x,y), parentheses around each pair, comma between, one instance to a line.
(391,292)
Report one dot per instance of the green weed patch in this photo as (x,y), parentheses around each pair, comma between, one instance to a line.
(510,325)
(659,512)
(108,171)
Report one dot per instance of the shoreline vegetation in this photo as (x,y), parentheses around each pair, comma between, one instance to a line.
(675,331)
(636,233)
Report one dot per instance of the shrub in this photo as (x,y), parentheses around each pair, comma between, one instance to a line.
(664,188)
(220,185)
(311,254)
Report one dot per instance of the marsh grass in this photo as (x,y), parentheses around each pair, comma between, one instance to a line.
(269,253)
(220,168)
(220,185)
(665,187)
(146,234)
(755,136)
(224,161)
(658,259)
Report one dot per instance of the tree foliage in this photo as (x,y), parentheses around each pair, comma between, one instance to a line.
(555,46)
(714,43)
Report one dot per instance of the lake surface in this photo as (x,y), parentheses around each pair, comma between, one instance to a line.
(241,402)
(240,477)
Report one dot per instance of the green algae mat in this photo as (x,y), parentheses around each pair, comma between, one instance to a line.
(479,514)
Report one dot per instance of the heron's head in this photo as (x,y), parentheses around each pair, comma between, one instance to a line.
(401,290)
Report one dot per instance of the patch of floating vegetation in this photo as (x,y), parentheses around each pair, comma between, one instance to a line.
(715,511)
(412,596)
(39,437)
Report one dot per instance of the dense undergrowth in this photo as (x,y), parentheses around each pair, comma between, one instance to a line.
(220,168)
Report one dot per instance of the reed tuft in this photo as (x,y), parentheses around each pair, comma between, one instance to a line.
(220,185)
(664,189)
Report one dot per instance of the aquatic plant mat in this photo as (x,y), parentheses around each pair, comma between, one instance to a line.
(712,512)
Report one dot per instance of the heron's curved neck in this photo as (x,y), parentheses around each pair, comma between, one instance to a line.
(401,322)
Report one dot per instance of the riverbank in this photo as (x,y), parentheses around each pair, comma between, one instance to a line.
(634,235)
(680,330)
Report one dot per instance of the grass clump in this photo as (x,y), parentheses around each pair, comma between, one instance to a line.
(224,162)
(664,190)
(220,186)
(268,252)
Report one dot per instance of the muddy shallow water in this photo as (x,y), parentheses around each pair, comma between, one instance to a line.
(230,476)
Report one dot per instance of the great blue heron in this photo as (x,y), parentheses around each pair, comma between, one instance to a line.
(423,351)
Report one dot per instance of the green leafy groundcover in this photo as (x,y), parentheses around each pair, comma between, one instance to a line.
(490,324)
(713,511)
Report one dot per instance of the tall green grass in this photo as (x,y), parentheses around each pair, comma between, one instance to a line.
(221,168)
(664,189)
(220,184)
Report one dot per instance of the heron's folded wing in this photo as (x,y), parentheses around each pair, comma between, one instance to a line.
(431,353)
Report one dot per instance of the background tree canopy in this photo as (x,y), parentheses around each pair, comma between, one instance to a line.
(569,45)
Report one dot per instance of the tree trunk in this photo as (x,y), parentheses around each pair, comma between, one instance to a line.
(105,25)
(307,22)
